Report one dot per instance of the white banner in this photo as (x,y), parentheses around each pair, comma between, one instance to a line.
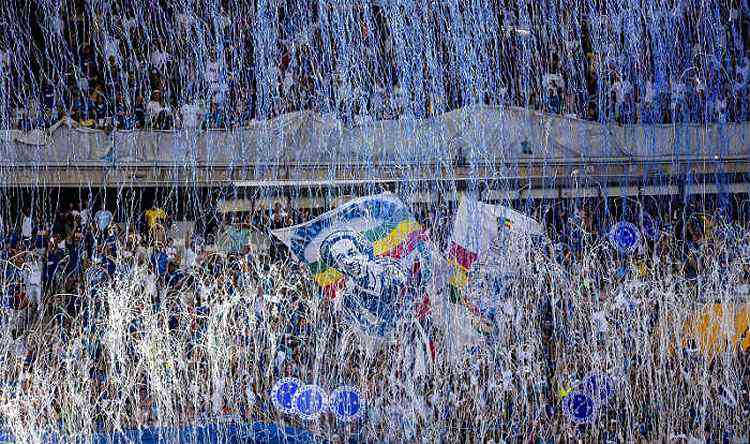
(475,134)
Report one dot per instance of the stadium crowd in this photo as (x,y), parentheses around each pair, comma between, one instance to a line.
(124,69)
(119,328)
(111,324)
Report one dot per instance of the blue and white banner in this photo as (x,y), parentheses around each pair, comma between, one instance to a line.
(371,255)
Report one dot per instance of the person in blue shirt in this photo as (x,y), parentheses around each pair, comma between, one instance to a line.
(139,112)
(216,117)
(48,97)
(101,111)
(40,239)
(120,116)
(108,262)
(160,261)
(83,108)
(13,291)
(51,264)
(74,245)
(693,246)
(174,276)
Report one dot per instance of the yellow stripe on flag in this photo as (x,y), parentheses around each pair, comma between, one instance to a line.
(398,235)
(459,278)
(395,237)
(327,277)
(454,262)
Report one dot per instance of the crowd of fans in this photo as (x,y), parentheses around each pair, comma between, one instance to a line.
(111,327)
(170,66)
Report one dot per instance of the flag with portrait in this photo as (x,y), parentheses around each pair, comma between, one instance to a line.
(373,254)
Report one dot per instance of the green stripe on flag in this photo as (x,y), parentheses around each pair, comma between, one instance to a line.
(371,235)
(456,295)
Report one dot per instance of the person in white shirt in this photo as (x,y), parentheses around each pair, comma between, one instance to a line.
(34,283)
(83,83)
(622,89)
(212,72)
(159,59)
(190,258)
(85,215)
(551,81)
(129,24)
(4,59)
(154,106)
(142,253)
(171,249)
(27,226)
(679,90)
(650,94)
(190,115)
(149,284)
(56,24)
(156,111)
(21,349)
(112,49)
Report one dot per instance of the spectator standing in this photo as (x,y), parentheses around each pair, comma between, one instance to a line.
(83,84)
(154,106)
(159,60)
(154,217)
(190,113)
(215,119)
(157,113)
(238,115)
(278,220)
(112,49)
(553,85)
(27,224)
(85,215)
(248,113)
(83,110)
(101,111)
(34,282)
(122,118)
(49,102)
(622,91)
(279,213)
(190,257)
(292,214)
(139,112)
(649,103)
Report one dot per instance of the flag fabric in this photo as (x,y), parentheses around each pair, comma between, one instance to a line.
(717,328)
(487,244)
(373,252)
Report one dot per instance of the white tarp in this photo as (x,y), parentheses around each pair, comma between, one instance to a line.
(473,135)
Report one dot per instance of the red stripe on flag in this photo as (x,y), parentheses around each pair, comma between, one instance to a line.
(463,256)
(408,245)
(329,292)
(416,274)
(424,308)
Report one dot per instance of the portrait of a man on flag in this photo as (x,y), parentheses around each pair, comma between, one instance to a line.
(371,256)
(374,293)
